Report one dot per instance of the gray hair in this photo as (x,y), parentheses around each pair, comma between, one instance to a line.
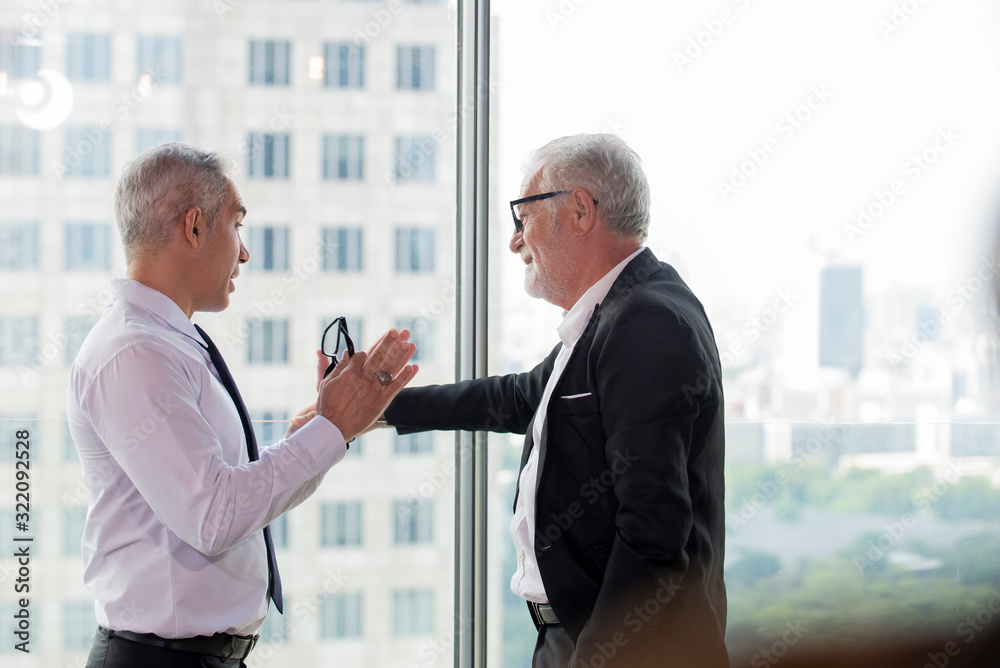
(158,187)
(606,166)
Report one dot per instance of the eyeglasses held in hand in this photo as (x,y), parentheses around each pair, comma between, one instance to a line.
(331,347)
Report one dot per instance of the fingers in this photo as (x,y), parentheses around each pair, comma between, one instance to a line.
(322,361)
(391,352)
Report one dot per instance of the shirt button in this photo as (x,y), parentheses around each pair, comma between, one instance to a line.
(521,500)
(520,555)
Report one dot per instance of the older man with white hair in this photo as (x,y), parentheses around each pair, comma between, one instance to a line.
(618,519)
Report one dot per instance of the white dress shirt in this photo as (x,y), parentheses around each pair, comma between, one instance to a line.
(173,544)
(527,581)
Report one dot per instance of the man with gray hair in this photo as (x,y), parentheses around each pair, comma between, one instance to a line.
(618,519)
(176,545)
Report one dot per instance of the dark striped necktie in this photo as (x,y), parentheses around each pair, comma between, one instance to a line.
(273,579)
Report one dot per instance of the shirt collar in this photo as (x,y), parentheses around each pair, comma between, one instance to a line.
(575,320)
(160,306)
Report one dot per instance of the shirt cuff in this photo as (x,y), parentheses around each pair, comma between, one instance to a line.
(322,438)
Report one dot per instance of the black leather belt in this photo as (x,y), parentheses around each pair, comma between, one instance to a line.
(542,614)
(221,645)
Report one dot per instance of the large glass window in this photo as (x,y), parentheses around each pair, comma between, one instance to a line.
(88,247)
(19,148)
(343,157)
(18,246)
(160,57)
(267,155)
(342,249)
(269,62)
(307,115)
(88,56)
(345,65)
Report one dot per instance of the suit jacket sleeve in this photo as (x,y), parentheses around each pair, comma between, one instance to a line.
(498,403)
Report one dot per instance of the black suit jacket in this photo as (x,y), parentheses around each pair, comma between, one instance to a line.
(629,506)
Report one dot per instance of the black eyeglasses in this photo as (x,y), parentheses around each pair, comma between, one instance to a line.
(333,351)
(518,225)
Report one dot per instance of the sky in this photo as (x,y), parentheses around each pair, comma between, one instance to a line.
(778,136)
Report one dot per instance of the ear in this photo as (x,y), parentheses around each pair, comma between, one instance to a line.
(584,212)
(195,229)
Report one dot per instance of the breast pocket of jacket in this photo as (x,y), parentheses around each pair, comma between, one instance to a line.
(574,403)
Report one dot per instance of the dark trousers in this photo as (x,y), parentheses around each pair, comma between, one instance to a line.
(553,649)
(117,652)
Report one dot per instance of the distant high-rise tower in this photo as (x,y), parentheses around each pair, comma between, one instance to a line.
(841,318)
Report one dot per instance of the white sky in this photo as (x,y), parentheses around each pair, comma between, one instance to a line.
(610,64)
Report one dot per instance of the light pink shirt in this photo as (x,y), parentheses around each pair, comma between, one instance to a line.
(172,543)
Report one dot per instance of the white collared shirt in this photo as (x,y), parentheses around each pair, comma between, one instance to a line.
(527,581)
(172,543)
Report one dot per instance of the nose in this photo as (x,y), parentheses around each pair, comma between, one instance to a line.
(516,241)
(244,253)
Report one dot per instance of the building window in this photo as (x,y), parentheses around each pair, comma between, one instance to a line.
(415,157)
(268,248)
(88,247)
(19,58)
(147,138)
(73,520)
(18,151)
(422,335)
(341,523)
(412,612)
(279,532)
(269,62)
(419,443)
(267,342)
(18,246)
(275,628)
(345,65)
(18,340)
(75,328)
(340,616)
(415,250)
(88,56)
(342,249)
(267,156)
(269,426)
(415,67)
(78,625)
(160,58)
(87,153)
(343,157)
(414,522)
